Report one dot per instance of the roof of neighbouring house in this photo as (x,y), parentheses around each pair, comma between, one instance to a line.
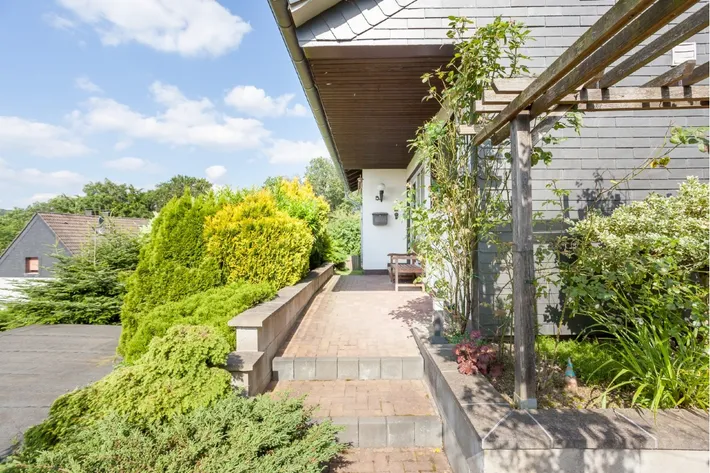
(74,231)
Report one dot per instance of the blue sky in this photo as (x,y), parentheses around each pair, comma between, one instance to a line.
(140,90)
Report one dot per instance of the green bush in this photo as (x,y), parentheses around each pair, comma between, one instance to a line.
(344,229)
(299,201)
(255,242)
(640,275)
(589,357)
(179,373)
(237,435)
(87,288)
(173,264)
(213,308)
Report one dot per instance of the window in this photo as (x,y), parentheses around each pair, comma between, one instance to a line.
(32,265)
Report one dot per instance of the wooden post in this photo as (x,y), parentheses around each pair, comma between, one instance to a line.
(523,269)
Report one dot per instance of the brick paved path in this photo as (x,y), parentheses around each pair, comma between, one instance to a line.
(372,398)
(360,316)
(391,460)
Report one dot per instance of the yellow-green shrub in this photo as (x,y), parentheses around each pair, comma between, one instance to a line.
(255,242)
(299,201)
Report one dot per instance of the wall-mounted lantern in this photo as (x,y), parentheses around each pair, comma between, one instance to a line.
(396,214)
(381,191)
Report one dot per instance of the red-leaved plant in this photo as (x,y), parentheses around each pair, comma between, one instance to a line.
(473,357)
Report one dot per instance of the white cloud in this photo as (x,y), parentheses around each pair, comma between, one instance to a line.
(58,22)
(85,84)
(42,197)
(132,164)
(39,139)
(183,122)
(123,144)
(188,27)
(254,101)
(215,173)
(35,177)
(295,152)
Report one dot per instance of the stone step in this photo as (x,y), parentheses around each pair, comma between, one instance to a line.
(390,431)
(373,413)
(369,460)
(351,368)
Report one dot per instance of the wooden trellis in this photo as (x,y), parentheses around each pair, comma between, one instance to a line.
(578,78)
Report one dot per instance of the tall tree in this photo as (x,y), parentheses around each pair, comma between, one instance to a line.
(122,200)
(326,182)
(175,187)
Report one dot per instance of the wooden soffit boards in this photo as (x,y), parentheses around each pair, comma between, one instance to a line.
(374,106)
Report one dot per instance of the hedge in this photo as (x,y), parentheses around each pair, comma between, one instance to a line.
(213,308)
(173,264)
(255,242)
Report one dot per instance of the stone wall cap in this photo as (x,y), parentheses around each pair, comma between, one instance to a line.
(501,427)
(243,361)
(254,317)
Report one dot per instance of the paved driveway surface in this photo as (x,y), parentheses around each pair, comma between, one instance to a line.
(40,363)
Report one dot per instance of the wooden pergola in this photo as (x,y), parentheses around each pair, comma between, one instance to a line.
(579,78)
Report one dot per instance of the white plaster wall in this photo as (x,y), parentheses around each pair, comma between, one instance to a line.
(380,240)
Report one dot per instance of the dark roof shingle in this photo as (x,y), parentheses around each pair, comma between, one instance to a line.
(75,231)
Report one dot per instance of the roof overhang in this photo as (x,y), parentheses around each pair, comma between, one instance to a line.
(367,99)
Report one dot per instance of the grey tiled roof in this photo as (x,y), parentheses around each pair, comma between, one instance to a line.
(74,231)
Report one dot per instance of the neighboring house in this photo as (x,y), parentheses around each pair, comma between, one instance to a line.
(30,255)
(360,64)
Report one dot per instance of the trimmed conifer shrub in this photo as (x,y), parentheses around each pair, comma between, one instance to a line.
(213,308)
(255,242)
(173,263)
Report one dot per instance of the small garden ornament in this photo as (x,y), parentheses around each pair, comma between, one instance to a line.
(570,377)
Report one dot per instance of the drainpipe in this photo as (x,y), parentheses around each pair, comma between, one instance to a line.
(284,20)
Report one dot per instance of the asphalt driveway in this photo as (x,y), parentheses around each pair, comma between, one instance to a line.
(40,363)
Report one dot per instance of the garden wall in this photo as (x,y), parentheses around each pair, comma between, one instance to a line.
(261,330)
(483,434)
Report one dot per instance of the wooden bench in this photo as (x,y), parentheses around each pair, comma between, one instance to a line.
(408,268)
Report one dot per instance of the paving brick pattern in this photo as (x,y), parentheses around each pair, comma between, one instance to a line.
(360,316)
(391,460)
(357,398)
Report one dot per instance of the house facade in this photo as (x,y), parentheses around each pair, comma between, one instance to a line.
(360,64)
(32,253)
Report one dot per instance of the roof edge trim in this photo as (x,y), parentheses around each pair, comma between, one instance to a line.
(284,20)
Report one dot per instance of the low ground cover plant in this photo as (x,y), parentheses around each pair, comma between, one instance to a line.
(174,410)
(236,434)
(180,372)
(474,356)
(87,288)
(212,308)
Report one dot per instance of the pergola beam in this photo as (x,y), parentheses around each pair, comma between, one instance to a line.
(699,73)
(647,23)
(619,94)
(546,124)
(606,27)
(673,76)
(694,24)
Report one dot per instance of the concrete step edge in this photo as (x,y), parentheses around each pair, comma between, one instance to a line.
(347,368)
(390,431)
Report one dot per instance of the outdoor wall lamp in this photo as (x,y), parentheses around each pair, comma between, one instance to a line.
(396,214)
(381,190)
